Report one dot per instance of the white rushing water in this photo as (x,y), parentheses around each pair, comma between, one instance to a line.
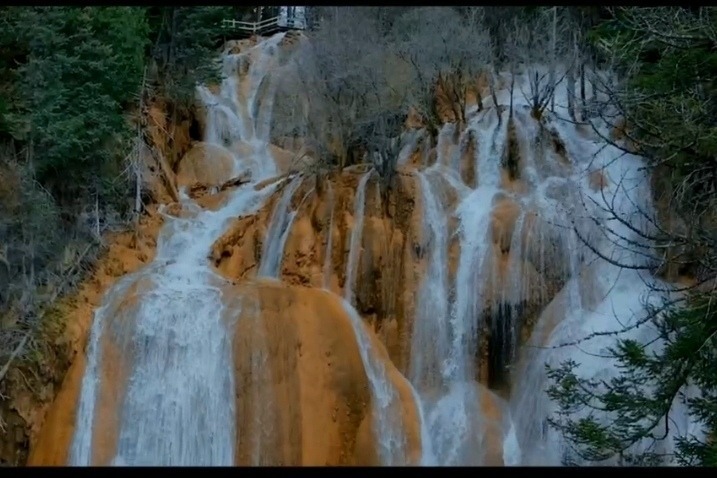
(598,296)
(279,228)
(388,425)
(174,392)
(547,268)
(445,335)
(173,398)
(430,345)
(356,231)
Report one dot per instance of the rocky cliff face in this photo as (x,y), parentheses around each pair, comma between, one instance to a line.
(317,247)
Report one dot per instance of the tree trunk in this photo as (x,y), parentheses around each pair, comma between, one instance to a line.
(512,89)
(138,153)
(172,35)
(479,96)
(571,94)
(584,104)
(137,190)
(535,88)
(97,215)
(552,60)
(495,97)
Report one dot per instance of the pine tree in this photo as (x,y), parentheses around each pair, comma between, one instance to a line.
(83,67)
(186,48)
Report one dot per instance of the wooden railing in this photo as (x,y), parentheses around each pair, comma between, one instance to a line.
(270,25)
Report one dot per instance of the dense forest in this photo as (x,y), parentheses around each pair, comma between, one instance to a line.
(75,83)
(74,86)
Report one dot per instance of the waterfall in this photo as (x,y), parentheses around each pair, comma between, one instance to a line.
(430,343)
(387,418)
(598,296)
(279,228)
(176,402)
(595,295)
(158,388)
(356,231)
(410,141)
(577,293)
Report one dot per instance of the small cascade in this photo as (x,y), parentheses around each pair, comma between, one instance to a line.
(474,213)
(259,432)
(279,228)
(445,335)
(430,343)
(224,126)
(356,231)
(409,146)
(595,295)
(444,147)
(329,241)
(388,425)
(387,417)
(159,354)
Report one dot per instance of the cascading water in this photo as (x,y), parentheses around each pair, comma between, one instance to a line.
(387,419)
(445,335)
(356,231)
(430,344)
(543,259)
(281,220)
(329,241)
(598,297)
(161,335)
(388,426)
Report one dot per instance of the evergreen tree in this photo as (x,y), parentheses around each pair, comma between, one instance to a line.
(83,68)
(185,50)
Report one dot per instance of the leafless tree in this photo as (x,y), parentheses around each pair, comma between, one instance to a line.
(363,69)
(443,48)
(533,47)
(346,74)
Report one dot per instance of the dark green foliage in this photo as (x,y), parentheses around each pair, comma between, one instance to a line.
(83,66)
(187,40)
(644,393)
(71,74)
(70,80)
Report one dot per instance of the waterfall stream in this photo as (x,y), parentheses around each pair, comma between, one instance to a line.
(356,232)
(281,220)
(160,332)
